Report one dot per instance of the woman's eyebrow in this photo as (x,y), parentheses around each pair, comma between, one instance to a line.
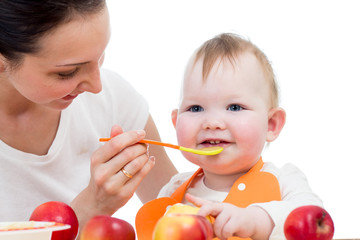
(72,64)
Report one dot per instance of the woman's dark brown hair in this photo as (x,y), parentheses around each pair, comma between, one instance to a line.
(24,22)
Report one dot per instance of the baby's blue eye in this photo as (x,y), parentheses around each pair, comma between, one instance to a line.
(196,108)
(235,107)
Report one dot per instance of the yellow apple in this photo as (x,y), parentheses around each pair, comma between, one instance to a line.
(182,208)
(178,226)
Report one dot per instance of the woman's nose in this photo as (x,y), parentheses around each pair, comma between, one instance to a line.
(92,81)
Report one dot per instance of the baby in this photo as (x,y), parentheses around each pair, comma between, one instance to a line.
(230,99)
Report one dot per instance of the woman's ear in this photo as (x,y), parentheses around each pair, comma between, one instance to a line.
(174,115)
(276,122)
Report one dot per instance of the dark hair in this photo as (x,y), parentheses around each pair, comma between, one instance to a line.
(24,22)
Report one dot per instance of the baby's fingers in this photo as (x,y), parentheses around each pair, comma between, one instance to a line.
(211,209)
(206,207)
(196,200)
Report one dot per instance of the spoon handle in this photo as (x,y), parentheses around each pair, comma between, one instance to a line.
(160,143)
(149,142)
(203,151)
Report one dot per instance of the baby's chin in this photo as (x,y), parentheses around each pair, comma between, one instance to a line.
(221,169)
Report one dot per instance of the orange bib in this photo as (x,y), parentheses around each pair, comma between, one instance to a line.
(253,187)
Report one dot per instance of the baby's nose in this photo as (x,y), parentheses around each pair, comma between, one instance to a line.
(213,124)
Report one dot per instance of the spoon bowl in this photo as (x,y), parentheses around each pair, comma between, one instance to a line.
(202,151)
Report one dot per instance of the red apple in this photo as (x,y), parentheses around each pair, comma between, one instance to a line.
(104,227)
(176,226)
(57,212)
(309,223)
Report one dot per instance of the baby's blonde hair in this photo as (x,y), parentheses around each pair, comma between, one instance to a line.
(228,46)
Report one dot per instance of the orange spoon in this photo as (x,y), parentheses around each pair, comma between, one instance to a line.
(202,151)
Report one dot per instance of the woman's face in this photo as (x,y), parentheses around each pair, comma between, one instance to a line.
(67,64)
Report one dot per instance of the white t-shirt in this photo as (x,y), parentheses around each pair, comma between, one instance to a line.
(28,180)
(294,188)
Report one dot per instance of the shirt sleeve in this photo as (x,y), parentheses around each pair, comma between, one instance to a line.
(295,192)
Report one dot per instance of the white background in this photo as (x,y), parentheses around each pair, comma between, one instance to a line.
(314,47)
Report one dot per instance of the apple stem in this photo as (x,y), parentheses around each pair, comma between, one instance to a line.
(321,219)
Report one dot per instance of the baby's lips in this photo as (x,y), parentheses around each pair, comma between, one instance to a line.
(214,142)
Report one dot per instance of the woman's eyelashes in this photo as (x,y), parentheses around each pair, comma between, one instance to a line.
(68,74)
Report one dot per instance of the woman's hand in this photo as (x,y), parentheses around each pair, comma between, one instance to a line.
(116,169)
(231,221)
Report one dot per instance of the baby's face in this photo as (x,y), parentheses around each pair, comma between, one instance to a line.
(229,109)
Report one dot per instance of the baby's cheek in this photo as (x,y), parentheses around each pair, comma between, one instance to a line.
(185,132)
(251,133)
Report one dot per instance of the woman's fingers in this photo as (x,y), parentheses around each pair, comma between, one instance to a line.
(117,168)
(131,159)
(116,145)
(115,130)
(121,153)
(132,183)
(121,170)
(125,190)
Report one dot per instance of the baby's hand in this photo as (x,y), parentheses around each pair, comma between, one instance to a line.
(231,221)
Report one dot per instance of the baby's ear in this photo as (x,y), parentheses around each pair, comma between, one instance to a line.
(174,115)
(276,122)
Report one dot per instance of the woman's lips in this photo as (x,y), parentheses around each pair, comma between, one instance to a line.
(69,97)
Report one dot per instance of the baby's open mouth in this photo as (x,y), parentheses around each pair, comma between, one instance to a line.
(211,143)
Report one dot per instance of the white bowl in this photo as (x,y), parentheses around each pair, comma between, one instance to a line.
(31,230)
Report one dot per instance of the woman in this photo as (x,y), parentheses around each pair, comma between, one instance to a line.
(50,122)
